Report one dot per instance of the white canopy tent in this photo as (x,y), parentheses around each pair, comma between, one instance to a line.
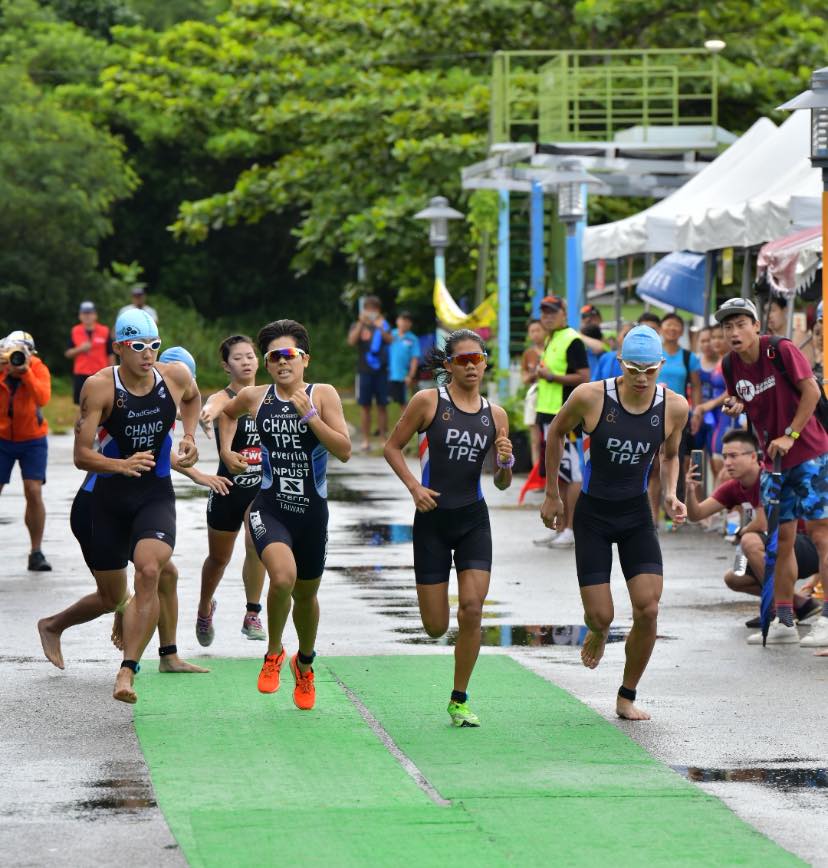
(760,188)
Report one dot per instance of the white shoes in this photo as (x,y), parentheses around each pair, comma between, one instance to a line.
(778,634)
(563,540)
(546,540)
(818,636)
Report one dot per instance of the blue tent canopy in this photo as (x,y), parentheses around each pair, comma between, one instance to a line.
(676,281)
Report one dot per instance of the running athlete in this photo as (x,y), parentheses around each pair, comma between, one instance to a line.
(112,597)
(130,410)
(299,423)
(240,462)
(456,428)
(626,421)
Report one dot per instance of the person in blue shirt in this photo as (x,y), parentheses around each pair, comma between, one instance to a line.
(680,373)
(404,358)
(608,365)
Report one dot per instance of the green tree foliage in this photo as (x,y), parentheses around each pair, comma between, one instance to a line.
(59,177)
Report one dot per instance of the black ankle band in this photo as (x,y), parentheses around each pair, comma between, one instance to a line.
(626,693)
(130,664)
(305,659)
(166,650)
(255,608)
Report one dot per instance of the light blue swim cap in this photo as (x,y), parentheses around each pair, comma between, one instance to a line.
(179,354)
(134,324)
(643,345)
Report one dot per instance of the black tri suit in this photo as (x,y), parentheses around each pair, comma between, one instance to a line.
(452,449)
(613,506)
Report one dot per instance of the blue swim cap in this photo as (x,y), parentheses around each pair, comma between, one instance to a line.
(643,345)
(134,324)
(179,354)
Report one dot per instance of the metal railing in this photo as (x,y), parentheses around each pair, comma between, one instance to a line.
(549,96)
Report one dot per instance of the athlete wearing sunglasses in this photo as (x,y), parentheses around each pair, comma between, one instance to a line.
(626,421)
(298,424)
(456,427)
(123,438)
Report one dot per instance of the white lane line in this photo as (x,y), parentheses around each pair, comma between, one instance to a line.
(391,746)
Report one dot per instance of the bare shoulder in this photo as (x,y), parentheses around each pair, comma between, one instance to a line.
(175,372)
(100,386)
(501,417)
(677,406)
(586,394)
(326,392)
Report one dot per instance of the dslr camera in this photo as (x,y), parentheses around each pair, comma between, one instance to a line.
(16,349)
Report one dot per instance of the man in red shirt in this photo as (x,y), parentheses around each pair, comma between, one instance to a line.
(781,408)
(90,347)
(740,451)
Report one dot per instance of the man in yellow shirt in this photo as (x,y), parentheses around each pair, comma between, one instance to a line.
(563,367)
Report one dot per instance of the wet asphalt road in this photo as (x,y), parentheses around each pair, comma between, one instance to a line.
(746,722)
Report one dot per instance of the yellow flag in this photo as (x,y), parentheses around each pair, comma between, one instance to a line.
(451,315)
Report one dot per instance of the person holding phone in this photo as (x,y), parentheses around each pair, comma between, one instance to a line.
(371,335)
(741,456)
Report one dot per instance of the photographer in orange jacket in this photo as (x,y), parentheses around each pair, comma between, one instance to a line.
(25,387)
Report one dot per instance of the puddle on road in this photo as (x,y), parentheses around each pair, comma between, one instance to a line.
(781,779)
(515,635)
(192,493)
(127,793)
(339,491)
(380,534)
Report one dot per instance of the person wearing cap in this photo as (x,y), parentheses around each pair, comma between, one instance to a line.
(770,380)
(626,421)
(563,367)
(139,302)
(124,439)
(403,360)
(25,389)
(90,347)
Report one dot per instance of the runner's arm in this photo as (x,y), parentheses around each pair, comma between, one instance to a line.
(503,448)
(93,403)
(228,423)
(570,416)
(417,416)
(677,413)
(328,423)
(211,410)
(219,484)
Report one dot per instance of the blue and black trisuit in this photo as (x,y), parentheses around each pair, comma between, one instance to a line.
(112,512)
(292,504)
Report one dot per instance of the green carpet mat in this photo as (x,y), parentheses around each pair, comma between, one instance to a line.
(246,779)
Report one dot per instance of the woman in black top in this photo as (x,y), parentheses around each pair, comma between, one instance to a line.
(241,464)
(456,428)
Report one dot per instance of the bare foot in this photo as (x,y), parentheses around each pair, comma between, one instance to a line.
(823,653)
(173,663)
(118,628)
(593,649)
(123,691)
(625,709)
(51,643)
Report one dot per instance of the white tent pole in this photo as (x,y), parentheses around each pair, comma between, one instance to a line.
(747,276)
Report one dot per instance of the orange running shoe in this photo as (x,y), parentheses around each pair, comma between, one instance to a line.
(304,693)
(269,676)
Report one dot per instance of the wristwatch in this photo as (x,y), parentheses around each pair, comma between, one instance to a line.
(789,432)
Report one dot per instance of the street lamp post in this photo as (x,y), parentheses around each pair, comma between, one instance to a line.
(572,212)
(816,99)
(438,215)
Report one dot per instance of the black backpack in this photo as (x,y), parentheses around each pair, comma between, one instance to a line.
(821,412)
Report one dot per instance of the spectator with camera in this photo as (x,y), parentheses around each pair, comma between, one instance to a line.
(25,388)
(371,335)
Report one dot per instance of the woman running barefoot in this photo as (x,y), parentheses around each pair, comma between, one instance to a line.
(298,424)
(456,428)
(239,461)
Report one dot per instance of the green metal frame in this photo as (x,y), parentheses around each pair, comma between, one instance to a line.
(547,96)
